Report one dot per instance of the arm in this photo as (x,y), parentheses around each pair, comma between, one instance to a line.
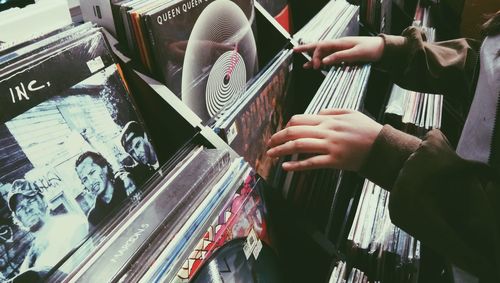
(448,203)
(445,67)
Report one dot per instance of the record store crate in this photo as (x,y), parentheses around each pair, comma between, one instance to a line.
(304,250)
(170,122)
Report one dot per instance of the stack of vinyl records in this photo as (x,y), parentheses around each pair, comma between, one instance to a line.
(315,194)
(383,251)
(262,110)
(204,51)
(191,214)
(422,16)
(19,25)
(237,245)
(376,15)
(84,196)
(340,274)
(332,21)
(419,111)
(66,133)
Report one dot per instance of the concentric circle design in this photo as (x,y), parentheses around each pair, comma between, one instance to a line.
(226,79)
(221,56)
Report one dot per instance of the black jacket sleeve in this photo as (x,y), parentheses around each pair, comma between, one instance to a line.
(446,67)
(447,202)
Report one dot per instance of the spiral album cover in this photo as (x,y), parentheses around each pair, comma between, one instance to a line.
(205,51)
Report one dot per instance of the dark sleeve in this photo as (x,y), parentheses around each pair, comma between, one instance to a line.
(448,203)
(446,67)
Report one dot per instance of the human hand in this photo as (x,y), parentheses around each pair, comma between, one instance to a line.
(346,49)
(336,137)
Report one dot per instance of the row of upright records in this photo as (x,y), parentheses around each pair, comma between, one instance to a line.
(86,197)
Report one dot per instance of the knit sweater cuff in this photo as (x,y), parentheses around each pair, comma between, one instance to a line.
(389,152)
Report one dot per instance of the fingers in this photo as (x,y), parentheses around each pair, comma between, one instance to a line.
(294,133)
(331,52)
(303,145)
(317,57)
(305,120)
(330,48)
(348,55)
(306,47)
(314,162)
(335,111)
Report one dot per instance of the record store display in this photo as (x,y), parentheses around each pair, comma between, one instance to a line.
(19,25)
(174,204)
(237,245)
(259,113)
(341,274)
(385,252)
(333,21)
(204,51)
(321,196)
(85,198)
(73,148)
(419,112)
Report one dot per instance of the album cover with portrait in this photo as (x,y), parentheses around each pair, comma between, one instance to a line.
(72,150)
(205,51)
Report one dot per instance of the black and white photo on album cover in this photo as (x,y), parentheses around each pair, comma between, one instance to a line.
(65,165)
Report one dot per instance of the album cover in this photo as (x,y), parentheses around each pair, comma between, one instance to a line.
(118,22)
(265,114)
(280,10)
(230,264)
(174,200)
(31,53)
(243,219)
(204,50)
(72,149)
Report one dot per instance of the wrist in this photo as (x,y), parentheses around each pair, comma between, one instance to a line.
(379,43)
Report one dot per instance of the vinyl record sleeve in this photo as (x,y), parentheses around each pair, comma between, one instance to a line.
(265,113)
(184,238)
(243,217)
(13,49)
(178,162)
(61,120)
(155,214)
(19,25)
(229,264)
(30,53)
(204,51)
